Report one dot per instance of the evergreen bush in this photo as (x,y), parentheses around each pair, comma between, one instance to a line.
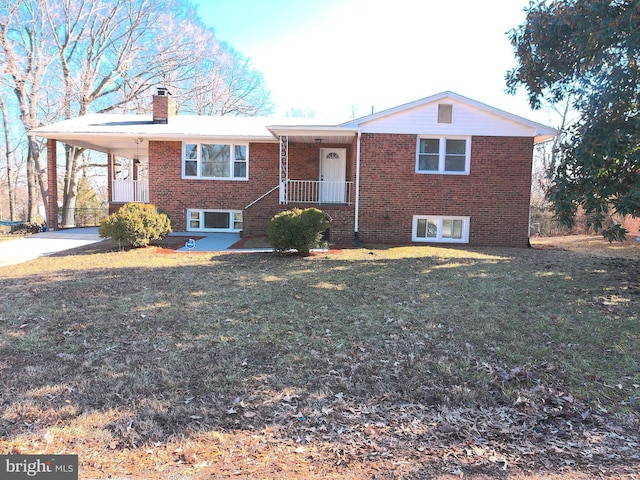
(297,229)
(136,224)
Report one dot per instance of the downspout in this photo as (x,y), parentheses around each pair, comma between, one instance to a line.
(356,240)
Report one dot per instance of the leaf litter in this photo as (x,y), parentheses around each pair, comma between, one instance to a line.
(257,367)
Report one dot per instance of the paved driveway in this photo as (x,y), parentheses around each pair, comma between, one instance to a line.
(45,243)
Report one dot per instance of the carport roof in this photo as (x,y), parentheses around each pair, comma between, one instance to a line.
(128,135)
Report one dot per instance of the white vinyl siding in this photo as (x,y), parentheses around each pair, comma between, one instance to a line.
(215,161)
(448,155)
(428,228)
(214,220)
(467,120)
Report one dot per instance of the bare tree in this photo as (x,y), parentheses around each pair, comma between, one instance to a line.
(11,190)
(24,56)
(107,52)
(66,58)
(223,82)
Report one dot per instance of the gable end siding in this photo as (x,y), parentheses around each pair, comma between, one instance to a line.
(495,195)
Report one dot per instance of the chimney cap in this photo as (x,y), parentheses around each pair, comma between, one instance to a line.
(163,91)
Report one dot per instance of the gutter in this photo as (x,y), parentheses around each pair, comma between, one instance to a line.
(356,240)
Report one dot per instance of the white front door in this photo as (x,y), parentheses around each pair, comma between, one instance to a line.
(333,166)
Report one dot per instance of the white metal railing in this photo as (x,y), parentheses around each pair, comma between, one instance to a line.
(130,191)
(261,197)
(320,192)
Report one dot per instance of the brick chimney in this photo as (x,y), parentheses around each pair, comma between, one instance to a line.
(164,107)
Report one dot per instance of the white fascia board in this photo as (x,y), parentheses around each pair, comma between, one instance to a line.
(311,130)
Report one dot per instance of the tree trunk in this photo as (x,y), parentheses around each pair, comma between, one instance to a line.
(11,186)
(70,190)
(32,187)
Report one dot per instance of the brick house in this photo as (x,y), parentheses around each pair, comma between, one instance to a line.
(443,169)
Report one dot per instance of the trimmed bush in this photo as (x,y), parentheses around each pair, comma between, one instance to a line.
(136,224)
(297,229)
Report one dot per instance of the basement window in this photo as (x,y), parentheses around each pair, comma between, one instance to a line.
(214,220)
(427,228)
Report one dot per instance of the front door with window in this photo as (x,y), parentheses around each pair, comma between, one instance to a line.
(333,166)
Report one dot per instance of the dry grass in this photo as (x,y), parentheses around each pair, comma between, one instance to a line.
(407,362)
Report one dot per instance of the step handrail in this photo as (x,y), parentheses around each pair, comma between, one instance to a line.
(261,197)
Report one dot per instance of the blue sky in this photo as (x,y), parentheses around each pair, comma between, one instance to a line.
(339,57)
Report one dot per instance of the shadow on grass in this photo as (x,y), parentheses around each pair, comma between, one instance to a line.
(354,357)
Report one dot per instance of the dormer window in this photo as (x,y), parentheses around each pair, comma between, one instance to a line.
(445,113)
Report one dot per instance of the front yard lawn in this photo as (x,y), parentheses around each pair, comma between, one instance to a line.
(407,362)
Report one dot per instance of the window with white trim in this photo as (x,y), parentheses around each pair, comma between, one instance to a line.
(221,161)
(443,155)
(214,220)
(427,228)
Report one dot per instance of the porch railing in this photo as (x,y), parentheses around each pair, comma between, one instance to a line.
(319,192)
(130,191)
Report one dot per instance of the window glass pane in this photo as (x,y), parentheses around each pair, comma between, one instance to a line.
(194,219)
(456,147)
(237,220)
(216,220)
(454,163)
(240,164)
(240,152)
(191,168)
(240,169)
(429,145)
(457,229)
(422,228)
(215,160)
(446,228)
(191,151)
(432,229)
(428,162)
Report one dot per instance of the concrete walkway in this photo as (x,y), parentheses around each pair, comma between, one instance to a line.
(212,242)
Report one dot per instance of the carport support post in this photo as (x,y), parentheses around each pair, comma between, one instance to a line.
(52,185)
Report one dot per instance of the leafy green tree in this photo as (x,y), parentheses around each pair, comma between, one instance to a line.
(588,51)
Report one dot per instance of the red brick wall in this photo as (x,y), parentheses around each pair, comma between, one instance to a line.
(174,195)
(164,107)
(495,195)
(304,164)
(52,184)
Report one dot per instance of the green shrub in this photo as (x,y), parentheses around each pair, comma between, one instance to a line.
(297,229)
(137,224)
